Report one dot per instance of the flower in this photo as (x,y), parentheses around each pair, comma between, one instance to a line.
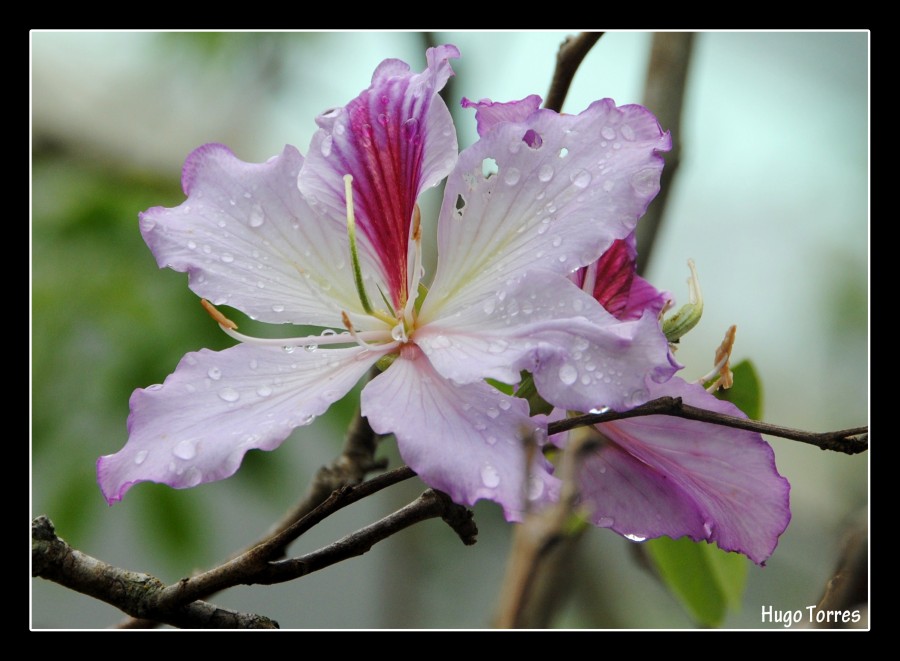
(661,475)
(334,240)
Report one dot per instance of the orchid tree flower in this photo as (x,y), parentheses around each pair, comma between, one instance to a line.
(334,240)
(660,475)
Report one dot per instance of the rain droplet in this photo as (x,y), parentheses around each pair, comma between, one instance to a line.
(608,185)
(382,118)
(535,487)
(264,391)
(140,457)
(192,245)
(491,440)
(288,348)
(586,379)
(411,127)
(645,181)
(326,146)
(310,348)
(489,476)
(489,306)
(708,529)
(192,477)
(497,346)
(227,257)
(627,132)
(493,412)
(256,216)
(605,522)
(307,419)
(608,132)
(277,308)
(634,538)
(557,241)
(545,174)
(155,386)
(328,332)
(207,249)
(185,450)
(512,176)
(504,404)
(254,364)
(581,179)
(568,374)
(229,395)
(214,373)
(339,129)
(247,195)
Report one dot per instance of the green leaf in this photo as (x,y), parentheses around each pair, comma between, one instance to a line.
(746,393)
(706,580)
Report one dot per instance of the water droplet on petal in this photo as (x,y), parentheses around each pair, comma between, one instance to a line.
(264,391)
(493,412)
(155,386)
(627,132)
(140,457)
(288,348)
(227,257)
(310,348)
(568,374)
(512,176)
(214,373)
(185,450)
(581,179)
(608,185)
(277,308)
(229,394)
(489,306)
(339,129)
(708,529)
(645,181)
(608,132)
(634,538)
(605,522)
(326,146)
(489,476)
(257,217)
(545,174)
(504,404)
(557,241)
(411,128)
(497,346)
(535,487)
(192,245)
(192,477)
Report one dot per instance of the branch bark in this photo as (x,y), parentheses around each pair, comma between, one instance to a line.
(571,52)
(847,441)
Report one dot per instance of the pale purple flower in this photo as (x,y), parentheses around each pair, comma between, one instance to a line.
(538,196)
(662,475)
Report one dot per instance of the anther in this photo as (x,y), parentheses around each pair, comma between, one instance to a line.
(724,377)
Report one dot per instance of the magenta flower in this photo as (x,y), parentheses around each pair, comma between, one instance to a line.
(660,475)
(334,241)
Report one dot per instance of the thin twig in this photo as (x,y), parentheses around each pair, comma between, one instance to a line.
(670,56)
(571,52)
(848,441)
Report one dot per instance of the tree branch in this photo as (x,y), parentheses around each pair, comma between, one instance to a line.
(571,52)
(132,592)
(848,441)
(670,56)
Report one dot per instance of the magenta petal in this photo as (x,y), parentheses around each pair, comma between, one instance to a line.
(197,426)
(661,475)
(466,440)
(396,139)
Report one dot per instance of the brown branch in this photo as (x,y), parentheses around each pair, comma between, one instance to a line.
(848,441)
(571,52)
(670,57)
(132,592)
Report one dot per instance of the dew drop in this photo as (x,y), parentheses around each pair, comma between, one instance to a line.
(411,128)
(264,391)
(382,118)
(557,241)
(227,257)
(489,306)
(535,487)
(206,248)
(489,476)
(708,529)
(141,457)
(254,364)
(307,419)
(581,179)
(493,412)
(545,174)
(328,332)
(155,386)
(605,522)
(229,395)
(256,216)
(504,404)
(192,477)
(192,245)
(247,195)
(185,450)
(309,348)
(288,348)
(339,129)
(627,132)
(277,308)
(326,146)
(608,132)
(214,373)
(586,379)
(634,538)
(512,176)
(497,346)
(645,181)
(568,374)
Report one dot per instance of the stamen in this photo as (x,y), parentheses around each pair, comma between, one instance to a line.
(413,294)
(354,253)
(590,278)
(220,318)
(356,336)
(309,340)
(722,371)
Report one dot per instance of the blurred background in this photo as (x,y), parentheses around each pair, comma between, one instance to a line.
(771,201)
